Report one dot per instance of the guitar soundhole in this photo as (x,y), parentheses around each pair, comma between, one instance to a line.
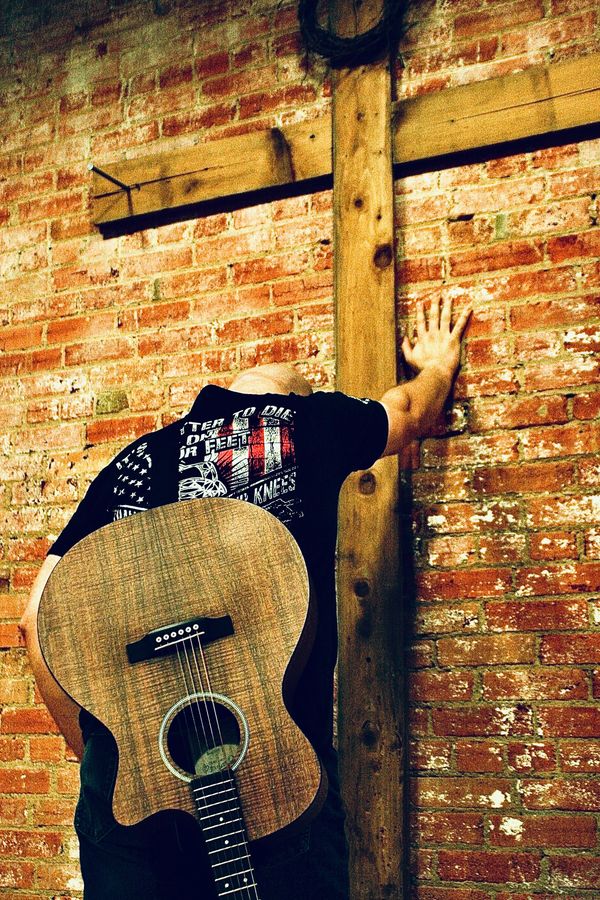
(204,737)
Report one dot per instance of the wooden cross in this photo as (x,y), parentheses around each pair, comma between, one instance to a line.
(367,140)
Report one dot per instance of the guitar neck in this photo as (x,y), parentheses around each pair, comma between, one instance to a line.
(219,813)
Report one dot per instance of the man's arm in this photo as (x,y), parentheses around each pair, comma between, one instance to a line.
(414,406)
(63,709)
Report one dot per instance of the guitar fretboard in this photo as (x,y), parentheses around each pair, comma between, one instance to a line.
(219,812)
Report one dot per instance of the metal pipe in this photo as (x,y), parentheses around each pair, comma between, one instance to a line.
(93,168)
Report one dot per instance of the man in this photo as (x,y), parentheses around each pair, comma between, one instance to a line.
(271,441)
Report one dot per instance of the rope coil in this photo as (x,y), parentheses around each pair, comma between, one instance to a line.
(352,51)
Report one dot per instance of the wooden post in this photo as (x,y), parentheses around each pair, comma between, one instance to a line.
(369,672)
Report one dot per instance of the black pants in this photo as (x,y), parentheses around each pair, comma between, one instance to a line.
(163,858)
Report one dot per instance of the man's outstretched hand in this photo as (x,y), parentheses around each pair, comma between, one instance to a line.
(436,344)
(413,408)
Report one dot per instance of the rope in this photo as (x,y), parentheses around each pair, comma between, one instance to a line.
(357,50)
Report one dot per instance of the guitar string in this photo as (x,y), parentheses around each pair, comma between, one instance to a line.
(189,691)
(201,801)
(244,835)
(227,773)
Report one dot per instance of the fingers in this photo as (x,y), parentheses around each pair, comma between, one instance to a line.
(461,322)
(446,314)
(407,351)
(434,314)
(421,327)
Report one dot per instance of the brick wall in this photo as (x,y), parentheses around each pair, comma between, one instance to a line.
(104,340)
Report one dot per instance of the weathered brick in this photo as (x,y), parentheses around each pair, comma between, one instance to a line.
(542,831)
(488,866)
(486,649)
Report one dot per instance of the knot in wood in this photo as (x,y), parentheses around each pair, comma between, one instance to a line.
(362,587)
(383,256)
(369,734)
(366,483)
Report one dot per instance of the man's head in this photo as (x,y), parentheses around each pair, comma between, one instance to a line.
(275,378)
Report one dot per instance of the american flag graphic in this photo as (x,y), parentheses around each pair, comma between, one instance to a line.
(248,457)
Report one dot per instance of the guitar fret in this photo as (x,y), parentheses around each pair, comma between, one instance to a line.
(229,847)
(225,862)
(237,889)
(224,812)
(220,838)
(214,793)
(235,875)
(208,805)
(220,824)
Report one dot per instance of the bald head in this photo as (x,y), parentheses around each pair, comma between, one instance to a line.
(274,378)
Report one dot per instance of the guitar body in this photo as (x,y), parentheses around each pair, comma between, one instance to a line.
(183,629)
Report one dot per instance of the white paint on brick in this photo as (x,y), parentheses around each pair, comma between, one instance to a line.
(512,827)
(498,799)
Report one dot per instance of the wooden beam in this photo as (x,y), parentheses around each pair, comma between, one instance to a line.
(536,104)
(214,169)
(370,658)
(541,101)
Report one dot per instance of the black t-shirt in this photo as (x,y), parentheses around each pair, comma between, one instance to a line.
(286,453)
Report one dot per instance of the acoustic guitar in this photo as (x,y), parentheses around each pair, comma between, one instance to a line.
(184,629)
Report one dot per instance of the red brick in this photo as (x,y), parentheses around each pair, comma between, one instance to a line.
(531,757)
(193,120)
(567,440)
(553,545)
(427,755)
(515,412)
(427,686)
(123,429)
(19,337)
(426,892)
(473,517)
(485,383)
(550,376)
(27,721)
(560,579)
(470,449)
(533,684)
(482,721)
(578,721)
(575,246)
(448,827)
(80,327)
(487,649)
(99,351)
(508,14)
(523,479)
(463,583)
(582,871)
(461,791)
(16,875)
(560,793)
(563,510)
(22,843)
(536,615)
(542,831)
(292,95)
(580,756)
(24,781)
(570,648)
(488,866)
(479,756)
(498,256)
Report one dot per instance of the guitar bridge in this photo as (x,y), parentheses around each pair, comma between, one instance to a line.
(165,640)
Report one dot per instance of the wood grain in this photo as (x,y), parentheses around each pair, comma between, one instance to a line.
(539,102)
(370,715)
(208,557)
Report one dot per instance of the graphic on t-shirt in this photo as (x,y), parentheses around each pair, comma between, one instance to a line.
(248,456)
(132,486)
